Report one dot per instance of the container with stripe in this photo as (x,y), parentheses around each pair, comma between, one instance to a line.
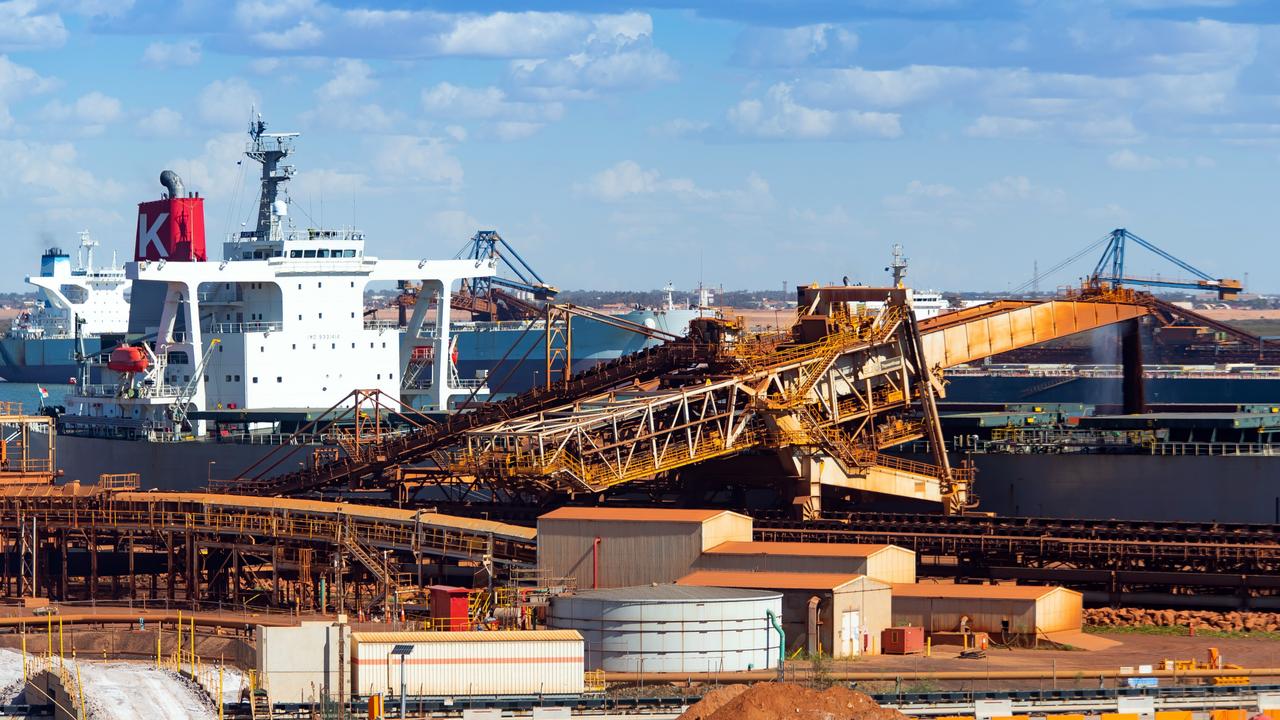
(454,664)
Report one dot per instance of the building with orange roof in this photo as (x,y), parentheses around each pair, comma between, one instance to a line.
(608,547)
(886,563)
(836,614)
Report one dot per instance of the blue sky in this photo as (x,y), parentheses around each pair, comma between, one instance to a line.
(627,145)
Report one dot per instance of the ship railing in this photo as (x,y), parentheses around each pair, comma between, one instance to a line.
(218,296)
(246,327)
(1213,449)
(120,391)
(373,324)
(426,382)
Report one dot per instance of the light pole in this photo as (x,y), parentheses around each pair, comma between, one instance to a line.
(208,475)
(403,651)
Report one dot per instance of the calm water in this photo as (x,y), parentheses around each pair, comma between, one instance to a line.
(27,394)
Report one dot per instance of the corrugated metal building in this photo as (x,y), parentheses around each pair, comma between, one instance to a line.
(1030,609)
(636,546)
(669,628)
(886,563)
(846,620)
(297,664)
(454,664)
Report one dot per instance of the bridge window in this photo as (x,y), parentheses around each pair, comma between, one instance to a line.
(308,253)
(295,253)
(322,253)
(349,253)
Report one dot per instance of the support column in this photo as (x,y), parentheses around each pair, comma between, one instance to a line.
(92,542)
(1132,384)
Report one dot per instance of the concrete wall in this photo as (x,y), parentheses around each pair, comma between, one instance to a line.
(295,663)
(631,553)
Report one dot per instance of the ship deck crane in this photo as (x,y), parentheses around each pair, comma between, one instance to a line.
(178,410)
(1110,269)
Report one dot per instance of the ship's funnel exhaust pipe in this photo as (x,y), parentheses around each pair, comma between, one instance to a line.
(172,183)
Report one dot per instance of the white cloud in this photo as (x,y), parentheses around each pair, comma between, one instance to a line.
(500,117)
(301,36)
(50,175)
(997,127)
(627,179)
(416,159)
(165,56)
(939,204)
(820,44)
(1131,161)
(161,122)
(451,226)
(366,118)
(535,34)
(215,172)
(779,117)
(351,79)
(93,111)
(24,27)
(17,82)
(680,127)
(582,75)
(227,102)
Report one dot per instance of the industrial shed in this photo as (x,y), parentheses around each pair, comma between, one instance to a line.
(850,612)
(886,563)
(1031,610)
(621,547)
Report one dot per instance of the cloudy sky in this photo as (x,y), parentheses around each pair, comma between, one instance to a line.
(627,145)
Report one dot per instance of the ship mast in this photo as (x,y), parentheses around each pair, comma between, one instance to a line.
(898,267)
(269,149)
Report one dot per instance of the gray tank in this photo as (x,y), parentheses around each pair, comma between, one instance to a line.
(672,628)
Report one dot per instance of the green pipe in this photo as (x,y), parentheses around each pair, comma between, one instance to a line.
(782,639)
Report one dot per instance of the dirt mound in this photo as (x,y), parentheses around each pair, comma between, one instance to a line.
(772,701)
(1232,621)
(713,701)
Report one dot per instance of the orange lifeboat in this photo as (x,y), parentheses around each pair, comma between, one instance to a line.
(128,358)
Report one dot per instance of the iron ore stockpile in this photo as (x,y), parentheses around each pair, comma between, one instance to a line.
(724,525)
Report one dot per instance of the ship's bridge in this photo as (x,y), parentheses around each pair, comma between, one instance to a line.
(296,245)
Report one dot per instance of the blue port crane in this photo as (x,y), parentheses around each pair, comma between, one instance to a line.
(519,294)
(1110,269)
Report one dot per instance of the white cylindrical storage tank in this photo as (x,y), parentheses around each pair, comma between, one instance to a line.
(672,628)
(452,664)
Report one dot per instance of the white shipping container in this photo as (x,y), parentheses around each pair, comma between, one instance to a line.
(450,664)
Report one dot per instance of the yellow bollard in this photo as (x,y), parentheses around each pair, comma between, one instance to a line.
(179,652)
(80,688)
(193,644)
(24,656)
(220,702)
(48,643)
(928,647)
(61,651)
(157,645)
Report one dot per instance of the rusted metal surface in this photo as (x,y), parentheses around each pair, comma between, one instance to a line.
(1005,326)
(828,397)
(268,552)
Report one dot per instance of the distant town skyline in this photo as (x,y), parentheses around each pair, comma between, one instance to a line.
(630,145)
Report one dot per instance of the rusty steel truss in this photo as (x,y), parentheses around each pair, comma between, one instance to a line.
(856,375)
(96,542)
(829,398)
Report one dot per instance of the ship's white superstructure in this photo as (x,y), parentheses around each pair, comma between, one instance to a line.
(97,296)
(277,324)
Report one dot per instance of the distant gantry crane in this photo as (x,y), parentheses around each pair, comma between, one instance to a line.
(1110,269)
